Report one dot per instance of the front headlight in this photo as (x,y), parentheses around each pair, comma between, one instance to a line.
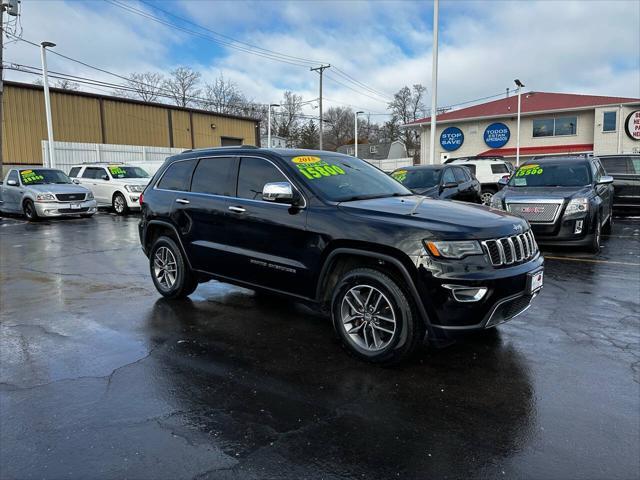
(577,206)
(458,249)
(45,197)
(89,196)
(496,202)
(134,188)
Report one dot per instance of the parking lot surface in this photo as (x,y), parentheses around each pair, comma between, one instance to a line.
(101,378)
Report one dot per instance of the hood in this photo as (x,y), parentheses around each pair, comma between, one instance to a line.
(443,219)
(551,193)
(131,181)
(58,188)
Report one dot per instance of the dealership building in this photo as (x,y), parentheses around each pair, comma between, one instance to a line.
(550,124)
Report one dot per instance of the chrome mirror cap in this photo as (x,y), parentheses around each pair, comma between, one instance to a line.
(281,192)
(606,179)
(12,183)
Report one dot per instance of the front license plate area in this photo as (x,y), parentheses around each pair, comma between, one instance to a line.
(75,206)
(535,281)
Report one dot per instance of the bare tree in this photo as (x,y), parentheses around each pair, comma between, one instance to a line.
(146,86)
(224,96)
(64,84)
(408,106)
(287,118)
(182,85)
(338,129)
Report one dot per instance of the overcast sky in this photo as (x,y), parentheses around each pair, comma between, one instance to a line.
(586,47)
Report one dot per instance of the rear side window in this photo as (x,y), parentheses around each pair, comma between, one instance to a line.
(448,176)
(74,172)
(177,176)
(635,163)
(615,165)
(93,172)
(215,176)
(459,174)
(499,168)
(472,168)
(254,174)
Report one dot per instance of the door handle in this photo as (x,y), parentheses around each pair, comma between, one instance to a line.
(183,201)
(237,209)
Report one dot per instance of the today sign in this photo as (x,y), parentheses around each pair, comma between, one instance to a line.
(451,138)
(632,125)
(497,135)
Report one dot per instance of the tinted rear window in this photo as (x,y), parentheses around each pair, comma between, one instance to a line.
(459,173)
(615,164)
(472,168)
(74,172)
(216,176)
(499,168)
(177,176)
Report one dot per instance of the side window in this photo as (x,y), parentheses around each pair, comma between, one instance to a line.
(635,163)
(73,173)
(595,172)
(178,176)
(13,175)
(615,165)
(459,174)
(216,176)
(472,168)
(95,173)
(254,174)
(499,168)
(467,174)
(448,177)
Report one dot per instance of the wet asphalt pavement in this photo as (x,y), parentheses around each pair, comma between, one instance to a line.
(101,378)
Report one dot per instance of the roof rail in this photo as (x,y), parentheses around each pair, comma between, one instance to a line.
(217,148)
(564,155)
(475,157)
(102,163)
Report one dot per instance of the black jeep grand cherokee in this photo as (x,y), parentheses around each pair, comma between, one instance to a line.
(333,230)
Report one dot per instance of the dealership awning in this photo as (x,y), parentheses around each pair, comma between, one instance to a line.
(541,150)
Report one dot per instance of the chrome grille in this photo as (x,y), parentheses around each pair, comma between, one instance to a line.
(510,250)
(66,197)
(535,212)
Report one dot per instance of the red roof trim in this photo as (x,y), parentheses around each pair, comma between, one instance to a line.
(548,149)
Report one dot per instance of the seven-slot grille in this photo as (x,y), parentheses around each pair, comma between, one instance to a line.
(535,212)
(510,250)
(68,197)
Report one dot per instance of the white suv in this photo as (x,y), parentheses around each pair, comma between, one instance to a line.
(115,185)
(488,171)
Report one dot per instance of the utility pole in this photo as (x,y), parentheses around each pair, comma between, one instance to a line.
(269,125)
(356,131)
(320,70)
(11,6)
(434,84)
(47,101)
(519,84)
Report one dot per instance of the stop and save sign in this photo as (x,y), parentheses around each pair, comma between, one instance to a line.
(632,125)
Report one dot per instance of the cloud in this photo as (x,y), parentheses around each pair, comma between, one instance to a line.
(561,46)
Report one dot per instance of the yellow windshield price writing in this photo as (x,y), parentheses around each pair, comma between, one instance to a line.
(305,159)
(529,170)
(115,171)
(400,175)
(29,176)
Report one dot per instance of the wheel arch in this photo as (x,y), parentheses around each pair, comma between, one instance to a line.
(157,228)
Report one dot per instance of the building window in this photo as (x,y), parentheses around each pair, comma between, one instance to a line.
(553,127)
(609,122)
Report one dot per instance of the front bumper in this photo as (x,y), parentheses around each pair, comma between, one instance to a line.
(133,200)
(567,232)
(63,209)
(507,295)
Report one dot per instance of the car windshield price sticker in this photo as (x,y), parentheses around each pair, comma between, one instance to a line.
(117,171)
(525,170)
(400,175)
(451,138)
(29,176)
(314,167)
(497,135)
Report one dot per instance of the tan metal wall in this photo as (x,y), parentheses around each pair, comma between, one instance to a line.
(90,119)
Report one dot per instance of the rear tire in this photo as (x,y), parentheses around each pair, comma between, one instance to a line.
(119,204)
(374,318)
(170,271)
(30,211)
(596,237)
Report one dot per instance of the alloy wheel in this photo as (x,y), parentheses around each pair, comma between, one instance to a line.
(165,268)
(368,318)
(486,198)
(118,204)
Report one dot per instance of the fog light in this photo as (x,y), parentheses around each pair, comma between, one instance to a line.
(464,294)
(578,227)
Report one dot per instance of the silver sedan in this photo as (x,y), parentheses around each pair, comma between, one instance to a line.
(44,192)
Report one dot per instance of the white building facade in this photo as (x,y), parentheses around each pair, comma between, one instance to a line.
(551,124)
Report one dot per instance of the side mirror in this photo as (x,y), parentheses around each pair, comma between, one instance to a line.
(503,181)
(105,177)
(605,179)
(278,192)
(76,181)
(12,183)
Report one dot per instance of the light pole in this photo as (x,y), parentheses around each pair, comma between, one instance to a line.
(356,128)
(47,100)
(519,84)
(434,84)
(269,124)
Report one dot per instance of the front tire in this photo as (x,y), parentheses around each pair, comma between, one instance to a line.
(30,211)
(596,237)
(170,272)
(608,227)
(119,204)
(374,317)
(486,195)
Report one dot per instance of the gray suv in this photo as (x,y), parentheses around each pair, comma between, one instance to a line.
(44,192)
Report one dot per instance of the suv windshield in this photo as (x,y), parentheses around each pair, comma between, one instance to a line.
(552,175)
(118,171)
(340,178)
(40,176)
(422,178)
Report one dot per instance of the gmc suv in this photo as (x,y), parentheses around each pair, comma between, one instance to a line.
(332,230)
